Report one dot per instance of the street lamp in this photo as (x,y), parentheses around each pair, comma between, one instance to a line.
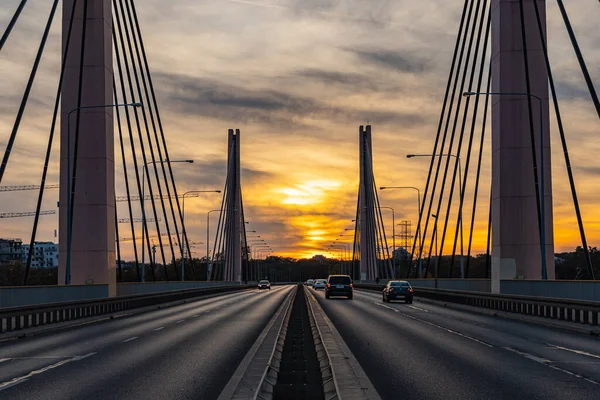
(460,208)
(419,213)
(542,185)
(69,178)
(207,243)
(438,252)
(183,224)
(143,200)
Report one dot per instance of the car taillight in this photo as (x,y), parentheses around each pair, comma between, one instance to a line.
(329,285)
(391,289)
(410,290)
(351,285)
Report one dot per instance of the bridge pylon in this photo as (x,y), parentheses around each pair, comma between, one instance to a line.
(88,147)
(370,243)
(230,252)
(516,249)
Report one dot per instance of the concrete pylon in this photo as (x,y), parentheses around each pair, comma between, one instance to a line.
(516,250)
(233,210)
(366,208)
(93,233)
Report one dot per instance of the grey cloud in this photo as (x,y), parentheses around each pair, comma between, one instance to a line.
(211,98)
(351,80)
(213,172)
(394,60)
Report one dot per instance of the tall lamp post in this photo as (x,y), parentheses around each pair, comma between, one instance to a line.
(418,213)
(70,177)
(460,208)
(207,243)
(542,184)
(143,200)
(183,224)
(438,252)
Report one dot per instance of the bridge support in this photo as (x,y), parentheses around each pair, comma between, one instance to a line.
(233,208)
(516,250)
(369,223)
(93,231)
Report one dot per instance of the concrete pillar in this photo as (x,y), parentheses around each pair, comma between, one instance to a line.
(237,244)
(515,235)
(366,212)
(93,234)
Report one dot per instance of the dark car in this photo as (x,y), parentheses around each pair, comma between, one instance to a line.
(339,285)
(395,290)
(264,285)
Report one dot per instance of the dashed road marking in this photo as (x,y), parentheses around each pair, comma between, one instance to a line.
(580,352)
(435,325)
(130,339)
(159,328)
(417,308)
(180,321)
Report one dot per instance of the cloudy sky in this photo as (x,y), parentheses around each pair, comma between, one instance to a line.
(298,77)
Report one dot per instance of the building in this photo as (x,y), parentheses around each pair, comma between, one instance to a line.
(10,250)
(45,255)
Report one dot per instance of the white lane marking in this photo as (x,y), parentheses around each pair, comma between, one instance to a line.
(435,325)
(21,379)
(580,352)
(195,316)
(180,321)
(159,328)
(417,308)
(5,359)
(573,374)
(130,339)
(529,356)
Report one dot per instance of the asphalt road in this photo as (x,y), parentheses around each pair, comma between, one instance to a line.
(425,351)
(184,352)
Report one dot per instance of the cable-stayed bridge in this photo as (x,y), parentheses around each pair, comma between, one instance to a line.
(184,329)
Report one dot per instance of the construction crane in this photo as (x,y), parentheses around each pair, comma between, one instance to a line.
(155,197)
(128,220)
(25,187)
(26,214)
(129,239)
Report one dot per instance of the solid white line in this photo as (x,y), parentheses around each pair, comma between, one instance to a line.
(417,308)
(130,339)
(13,384)
(5,359)
(21,379)
(159,328)
(180,321)
(580,352)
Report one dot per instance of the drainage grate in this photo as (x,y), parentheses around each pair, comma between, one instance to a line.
(299,375)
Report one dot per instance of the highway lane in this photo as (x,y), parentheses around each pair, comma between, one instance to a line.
(430,352)
(187,351)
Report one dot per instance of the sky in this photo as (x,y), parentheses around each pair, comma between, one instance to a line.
(298,77)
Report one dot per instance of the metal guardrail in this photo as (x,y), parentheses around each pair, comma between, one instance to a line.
(579,311)
(17,318)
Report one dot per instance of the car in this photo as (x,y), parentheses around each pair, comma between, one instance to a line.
(309,282)
(264,284)
(339,285)
(320,284)
(395,290)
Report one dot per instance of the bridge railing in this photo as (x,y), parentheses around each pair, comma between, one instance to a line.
(17,318)
(579,311)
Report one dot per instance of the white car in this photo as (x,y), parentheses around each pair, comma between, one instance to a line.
(309,282)
(320,284)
